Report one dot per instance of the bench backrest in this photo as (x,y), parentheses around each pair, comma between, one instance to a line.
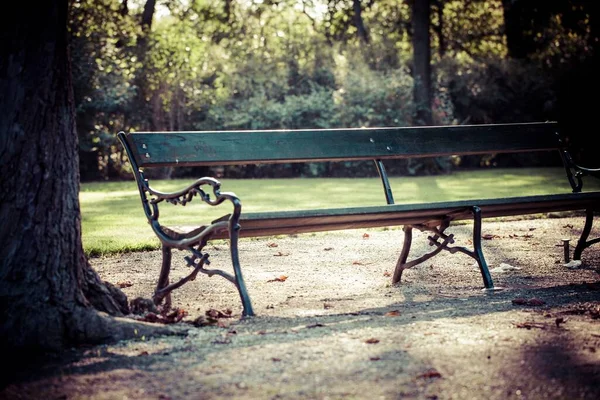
(153,149)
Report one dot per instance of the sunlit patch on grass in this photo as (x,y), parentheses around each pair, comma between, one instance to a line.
(113,220)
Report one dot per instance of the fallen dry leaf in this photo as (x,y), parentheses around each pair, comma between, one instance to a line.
(393,313)
(372,341)
(328,248)
(281,278)
(216,314)
(430,373)
(488,236)
(387,273)
(365,235)
(272,244)
(171,318)
(529,325)
(124,284)
(536,302)
(280,254)
(528,302)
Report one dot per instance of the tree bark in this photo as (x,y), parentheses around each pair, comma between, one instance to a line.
(148,15)
(421,12)
(363,35)
(49,294)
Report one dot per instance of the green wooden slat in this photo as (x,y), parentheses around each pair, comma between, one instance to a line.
(276,146)
(427,208)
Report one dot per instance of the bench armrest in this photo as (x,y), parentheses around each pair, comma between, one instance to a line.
(576,172)
(151,198)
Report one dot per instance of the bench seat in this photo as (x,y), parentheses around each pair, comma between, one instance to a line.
(429,214)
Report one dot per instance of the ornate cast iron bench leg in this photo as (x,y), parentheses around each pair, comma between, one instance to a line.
(583,243)
(237,270)
(478,251)
(400,265)
(438,234)
(163,279)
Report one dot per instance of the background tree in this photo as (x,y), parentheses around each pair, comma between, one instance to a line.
(50,297)
(421,17)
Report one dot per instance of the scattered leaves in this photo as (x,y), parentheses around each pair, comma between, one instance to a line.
(430,373)
(281,278)
(272,244)
(169,318)
(372,341)
(366,235)
(387,273)
(124,284)
(281,254)
(393,313)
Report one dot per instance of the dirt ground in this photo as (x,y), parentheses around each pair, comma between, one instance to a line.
(330,325)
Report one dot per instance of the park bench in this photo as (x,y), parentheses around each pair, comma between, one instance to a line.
(183,149)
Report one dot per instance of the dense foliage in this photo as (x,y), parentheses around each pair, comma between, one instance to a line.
(230,64)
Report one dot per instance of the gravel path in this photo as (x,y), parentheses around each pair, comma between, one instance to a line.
(330,325)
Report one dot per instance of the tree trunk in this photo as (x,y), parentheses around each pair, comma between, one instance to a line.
(49,294)
(363,35)
(148,15)
(439,28)
(422,61)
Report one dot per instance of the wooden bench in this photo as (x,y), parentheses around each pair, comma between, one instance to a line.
(181,149)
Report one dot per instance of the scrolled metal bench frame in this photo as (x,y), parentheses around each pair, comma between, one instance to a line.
(193,241)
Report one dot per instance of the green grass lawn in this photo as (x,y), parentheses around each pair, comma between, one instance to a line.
(113,220)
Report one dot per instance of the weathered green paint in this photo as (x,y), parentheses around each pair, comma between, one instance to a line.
(153,149)
(302,221)
(282,146)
